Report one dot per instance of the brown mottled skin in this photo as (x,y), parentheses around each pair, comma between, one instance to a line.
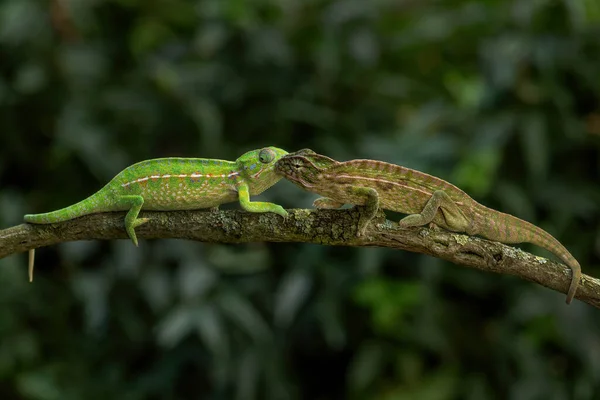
(427,199)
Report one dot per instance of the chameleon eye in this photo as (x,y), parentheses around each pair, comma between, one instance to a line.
(266,156)
(297,164)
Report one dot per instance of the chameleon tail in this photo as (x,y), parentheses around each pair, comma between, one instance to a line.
(507,228)
(92,204)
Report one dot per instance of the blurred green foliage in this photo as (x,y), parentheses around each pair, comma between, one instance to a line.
(501,97)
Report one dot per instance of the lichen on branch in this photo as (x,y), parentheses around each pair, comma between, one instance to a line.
(326,227)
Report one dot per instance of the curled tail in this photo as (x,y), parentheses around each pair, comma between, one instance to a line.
(506,228)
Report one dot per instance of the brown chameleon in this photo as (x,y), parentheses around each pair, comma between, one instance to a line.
(427,199)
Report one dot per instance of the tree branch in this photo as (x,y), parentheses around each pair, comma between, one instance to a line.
(327,227)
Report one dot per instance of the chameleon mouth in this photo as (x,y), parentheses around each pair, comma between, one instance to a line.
(281,168)
(300,181)
(291,174)
(258,174)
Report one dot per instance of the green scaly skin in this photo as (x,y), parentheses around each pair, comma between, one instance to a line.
(427,199)
(167,184)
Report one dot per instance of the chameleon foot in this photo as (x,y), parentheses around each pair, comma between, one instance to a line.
(131,229)
(327,203)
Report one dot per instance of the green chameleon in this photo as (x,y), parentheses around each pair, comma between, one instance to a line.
(167,184)
(425,198)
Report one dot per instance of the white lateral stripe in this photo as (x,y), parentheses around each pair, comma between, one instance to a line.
(193,175)
(403,186)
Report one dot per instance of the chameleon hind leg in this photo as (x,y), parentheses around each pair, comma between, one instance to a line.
(370,206)
(454,218)
(134,203)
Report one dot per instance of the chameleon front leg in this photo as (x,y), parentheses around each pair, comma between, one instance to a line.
(257,206)
(454,218)
(370,207)
(134,203)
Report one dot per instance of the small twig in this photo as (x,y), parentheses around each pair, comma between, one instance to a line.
(327,227)
(62,21)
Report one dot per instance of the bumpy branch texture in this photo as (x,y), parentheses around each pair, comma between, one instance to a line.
(327,227)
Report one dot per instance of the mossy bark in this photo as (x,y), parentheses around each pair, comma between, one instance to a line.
(326,227)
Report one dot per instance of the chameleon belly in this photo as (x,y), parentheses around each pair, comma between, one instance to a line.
(399,195)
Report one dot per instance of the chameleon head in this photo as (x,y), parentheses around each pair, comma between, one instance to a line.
(304,167)
(257,167)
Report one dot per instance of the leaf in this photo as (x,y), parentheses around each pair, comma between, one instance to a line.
(366,366)
(209,325)
(175,326)
(241,311)
(535,146)
(291,294)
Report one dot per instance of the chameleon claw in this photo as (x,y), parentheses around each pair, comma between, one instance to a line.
(283,213)
(131,229)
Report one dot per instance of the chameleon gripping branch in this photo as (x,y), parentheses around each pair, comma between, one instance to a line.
(427,199)
(325,227)
(166,184)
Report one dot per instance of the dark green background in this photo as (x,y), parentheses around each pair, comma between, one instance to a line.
(499,97)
